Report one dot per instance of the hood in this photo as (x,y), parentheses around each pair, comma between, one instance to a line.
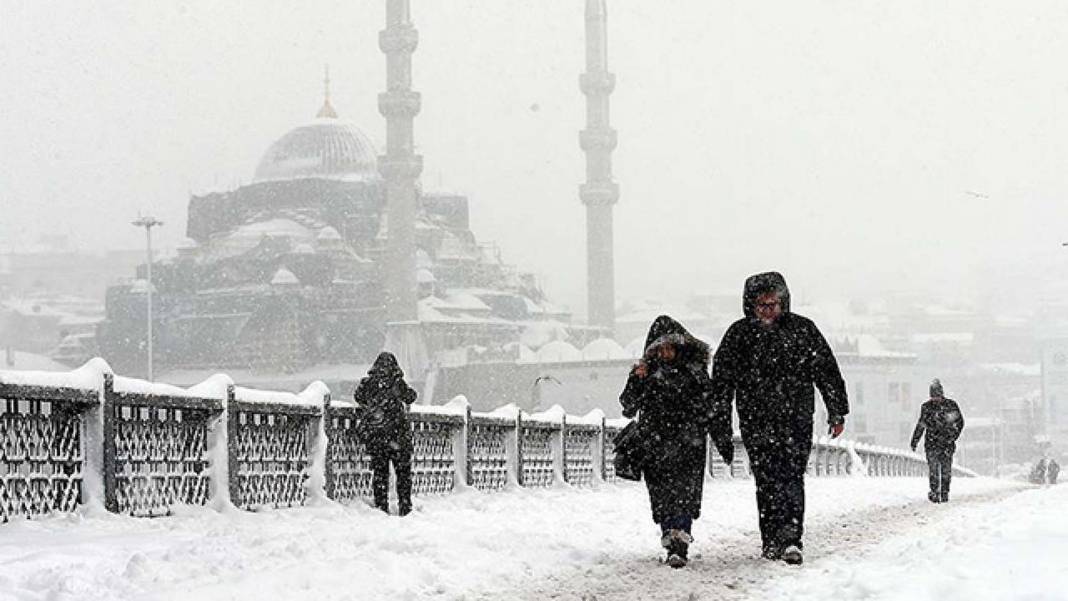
(762,283)
(666,330)
(386,367)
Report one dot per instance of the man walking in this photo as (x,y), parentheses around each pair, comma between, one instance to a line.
(769,362)
(943,422)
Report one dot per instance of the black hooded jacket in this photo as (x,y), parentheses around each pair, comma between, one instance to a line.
(674,404)
(771,370)
(383,398)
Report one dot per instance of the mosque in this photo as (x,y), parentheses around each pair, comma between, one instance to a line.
(334,252)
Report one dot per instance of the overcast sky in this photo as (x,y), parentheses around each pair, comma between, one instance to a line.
(855,146)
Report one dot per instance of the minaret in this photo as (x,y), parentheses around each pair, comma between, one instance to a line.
(327,111)
(599,192)
(400,167)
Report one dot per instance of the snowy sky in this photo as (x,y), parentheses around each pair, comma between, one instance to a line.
(852,145)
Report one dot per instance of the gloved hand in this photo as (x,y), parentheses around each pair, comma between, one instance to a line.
(913,447)
(836,425)
(726,451)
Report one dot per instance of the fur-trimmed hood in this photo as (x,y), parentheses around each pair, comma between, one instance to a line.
(666,330)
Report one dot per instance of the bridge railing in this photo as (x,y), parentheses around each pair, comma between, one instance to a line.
(141,448)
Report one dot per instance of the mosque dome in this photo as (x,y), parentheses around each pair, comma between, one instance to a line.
(327,148)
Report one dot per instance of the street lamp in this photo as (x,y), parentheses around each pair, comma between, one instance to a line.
(148,223)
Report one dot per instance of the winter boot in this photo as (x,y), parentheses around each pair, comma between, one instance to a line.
(944,498)
(934,497)
(792,555)
(772,552)
(677,554)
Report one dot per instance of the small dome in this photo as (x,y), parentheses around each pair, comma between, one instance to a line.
(557,351)
(327,148)
(604,348)
(304,249)
(284,277)
(424,276)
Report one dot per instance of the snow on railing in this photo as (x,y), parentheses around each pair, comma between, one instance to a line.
(141,448)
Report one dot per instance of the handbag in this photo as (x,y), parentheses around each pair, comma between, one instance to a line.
(629,452)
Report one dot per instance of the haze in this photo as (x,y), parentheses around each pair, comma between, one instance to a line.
(859,147)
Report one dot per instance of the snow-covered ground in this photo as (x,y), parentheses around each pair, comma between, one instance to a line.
(869,538)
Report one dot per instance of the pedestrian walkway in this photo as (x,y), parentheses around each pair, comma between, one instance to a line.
(561,543)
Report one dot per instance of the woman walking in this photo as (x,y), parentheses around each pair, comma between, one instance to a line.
(668,390)
(382,400)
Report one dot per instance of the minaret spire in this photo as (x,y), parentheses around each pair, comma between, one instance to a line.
(327,112)
(400,167)
(599,192)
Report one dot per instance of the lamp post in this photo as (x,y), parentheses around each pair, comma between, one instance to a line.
(148,223)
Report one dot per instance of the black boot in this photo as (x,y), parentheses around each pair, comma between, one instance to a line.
(677,554)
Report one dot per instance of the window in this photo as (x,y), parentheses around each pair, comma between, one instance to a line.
(906,394)
(858,394)
(893,393)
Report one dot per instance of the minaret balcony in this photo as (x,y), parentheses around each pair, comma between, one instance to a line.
(394,168)
(404,39)
(598,139)
(599,193)
(399,103)
(597,83)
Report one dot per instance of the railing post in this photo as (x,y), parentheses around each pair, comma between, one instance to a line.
(519,447)
(331,435)
(111,502)
(218,454)
(461,465)
(318,456)
(560,451)
(92,439)
(599,473)
(232,428)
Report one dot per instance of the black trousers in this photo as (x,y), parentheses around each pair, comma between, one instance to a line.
(779,472)
(940,471)
(401,458)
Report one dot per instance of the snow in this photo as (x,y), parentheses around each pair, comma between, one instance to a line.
(868,538)
(87,377)
(133,385)
(593,418)
(312,396)
(1012,549)
(554,414)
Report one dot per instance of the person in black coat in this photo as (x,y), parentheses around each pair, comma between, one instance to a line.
(382,400)
(668,390)
(943,422)
(768,362)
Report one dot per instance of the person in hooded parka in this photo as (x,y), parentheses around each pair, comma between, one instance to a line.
(383,399)
(668,390)
(770,362)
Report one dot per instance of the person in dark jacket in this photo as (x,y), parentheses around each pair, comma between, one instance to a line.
(382,400)
(943,422)
(768,362)
(668,390)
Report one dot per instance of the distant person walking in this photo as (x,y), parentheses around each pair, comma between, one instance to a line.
(770,362)
(382,400)
(942,421)
(668,390)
